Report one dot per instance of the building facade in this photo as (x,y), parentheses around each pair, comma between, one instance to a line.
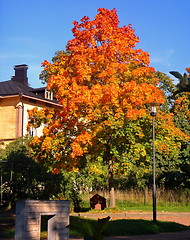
(16,98)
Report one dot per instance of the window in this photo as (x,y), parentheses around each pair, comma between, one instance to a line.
(33,132)
(48,94)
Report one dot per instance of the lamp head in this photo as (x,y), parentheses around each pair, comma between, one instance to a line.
(153,108)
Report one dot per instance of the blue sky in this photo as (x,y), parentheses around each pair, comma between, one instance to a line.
(31,31)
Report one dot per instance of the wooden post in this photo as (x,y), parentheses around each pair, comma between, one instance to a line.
(111,184)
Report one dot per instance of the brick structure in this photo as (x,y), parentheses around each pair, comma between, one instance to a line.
(28,219)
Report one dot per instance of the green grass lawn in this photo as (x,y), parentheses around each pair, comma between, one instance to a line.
(131,206)
(164,206)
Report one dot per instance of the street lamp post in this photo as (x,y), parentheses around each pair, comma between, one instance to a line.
(1,182)
(153,111)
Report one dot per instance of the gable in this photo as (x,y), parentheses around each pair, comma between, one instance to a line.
(18,85)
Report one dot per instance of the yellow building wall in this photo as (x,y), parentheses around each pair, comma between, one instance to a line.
(11,116)
(8,118)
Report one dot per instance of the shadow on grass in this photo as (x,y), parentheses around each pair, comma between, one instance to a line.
(120,227)
(124,227)
(7,225)
(85,209)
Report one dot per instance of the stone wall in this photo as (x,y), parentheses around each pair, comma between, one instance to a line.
(28,219)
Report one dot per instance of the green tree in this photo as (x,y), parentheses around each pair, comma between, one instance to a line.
(184,82)
(178,97)
(182,121)
(23,178)
(168,87)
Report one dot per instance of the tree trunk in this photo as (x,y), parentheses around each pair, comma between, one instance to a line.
(145,192)
(111,185)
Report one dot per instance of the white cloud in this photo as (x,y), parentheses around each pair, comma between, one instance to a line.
(162,58)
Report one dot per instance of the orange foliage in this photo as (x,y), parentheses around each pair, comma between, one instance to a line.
(102,80)
(168,126)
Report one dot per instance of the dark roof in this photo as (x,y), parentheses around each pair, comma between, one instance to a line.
(13,88)
(97,196)
(10,88)
(18,85)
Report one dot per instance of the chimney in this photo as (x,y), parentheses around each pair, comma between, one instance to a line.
(21,74)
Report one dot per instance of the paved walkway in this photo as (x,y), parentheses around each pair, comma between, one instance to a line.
(184,235)
(182,218)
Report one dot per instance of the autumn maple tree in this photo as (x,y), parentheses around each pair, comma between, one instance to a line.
(103,82)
